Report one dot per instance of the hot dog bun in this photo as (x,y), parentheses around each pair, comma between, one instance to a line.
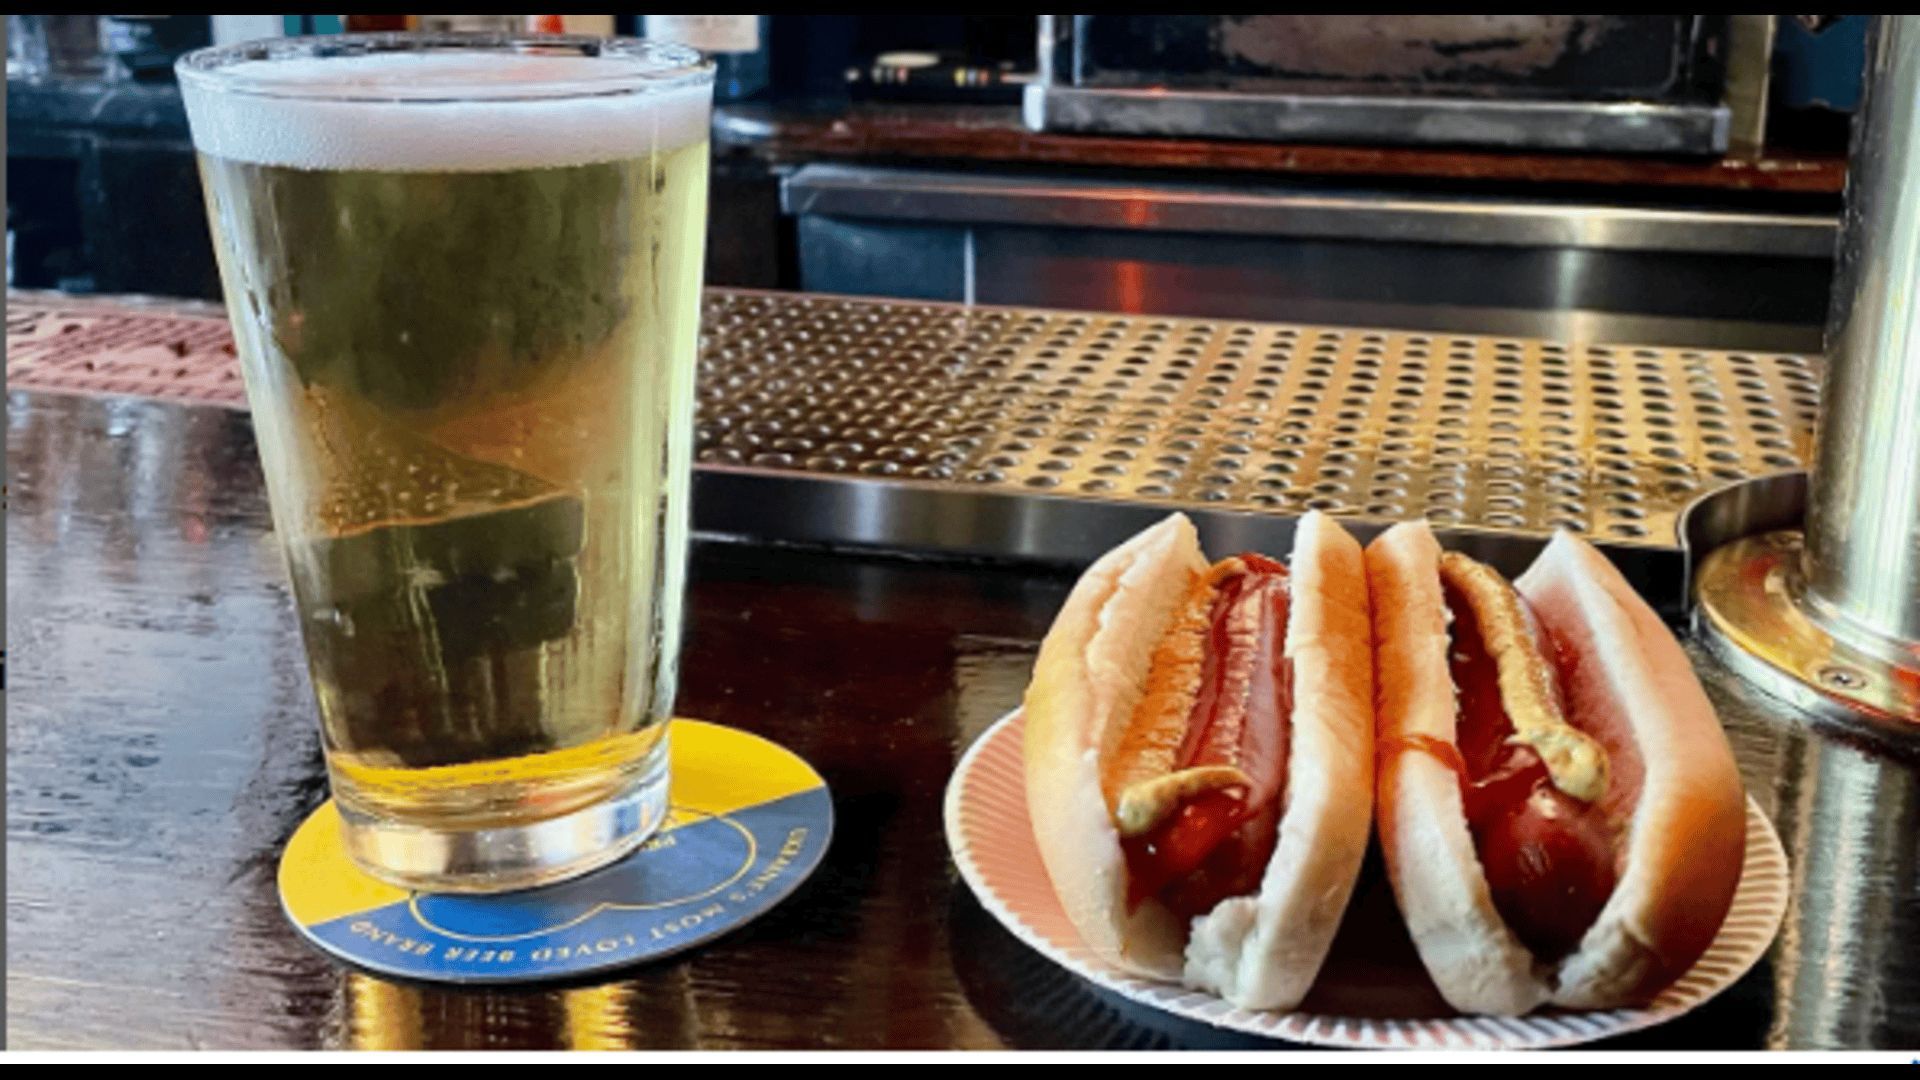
(1687,835)
(1479,965)
(1675,792)
(1258,951)
(1091,672)
(1262,952)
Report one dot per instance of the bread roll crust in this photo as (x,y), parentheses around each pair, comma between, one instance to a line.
(1686,840)
(1264,951)
(1091,672)
(1475,960)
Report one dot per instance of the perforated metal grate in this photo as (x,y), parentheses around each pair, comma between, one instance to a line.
(1509,433)
(136,346)
(1512,434)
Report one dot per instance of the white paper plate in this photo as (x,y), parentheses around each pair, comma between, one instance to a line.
(992,841)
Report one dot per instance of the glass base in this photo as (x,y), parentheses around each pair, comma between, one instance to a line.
(507,857)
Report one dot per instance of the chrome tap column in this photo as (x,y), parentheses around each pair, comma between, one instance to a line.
(1832,621)
(1863,523)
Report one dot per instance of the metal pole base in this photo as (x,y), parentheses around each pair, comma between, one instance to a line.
(1751,611)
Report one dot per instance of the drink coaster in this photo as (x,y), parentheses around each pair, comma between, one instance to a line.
(748,822)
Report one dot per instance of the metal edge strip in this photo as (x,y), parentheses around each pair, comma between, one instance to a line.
(914,517)
(1634,127)
(871,193)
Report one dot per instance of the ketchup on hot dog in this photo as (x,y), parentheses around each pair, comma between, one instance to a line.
(1215,843)
(1548,857)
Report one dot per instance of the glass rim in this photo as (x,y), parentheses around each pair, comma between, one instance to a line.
(652,67)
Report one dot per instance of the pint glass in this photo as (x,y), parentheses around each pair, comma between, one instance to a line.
(464,280)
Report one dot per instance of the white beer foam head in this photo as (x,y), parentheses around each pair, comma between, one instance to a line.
(442,112)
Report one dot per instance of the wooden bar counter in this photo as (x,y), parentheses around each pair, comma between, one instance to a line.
(162,747)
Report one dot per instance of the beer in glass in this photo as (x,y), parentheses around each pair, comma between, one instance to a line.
(464,279)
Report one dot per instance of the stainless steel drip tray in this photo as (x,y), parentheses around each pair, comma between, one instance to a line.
(1012,433)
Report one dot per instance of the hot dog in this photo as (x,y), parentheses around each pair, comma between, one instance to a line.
(1559,809)
(1199,757)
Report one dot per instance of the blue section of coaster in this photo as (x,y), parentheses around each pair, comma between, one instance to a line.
(707,872)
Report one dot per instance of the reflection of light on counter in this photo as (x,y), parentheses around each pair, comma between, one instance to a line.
(1849,814)
(1567,275)
(382,1015)
(989,674)
(1130,285)
(597,1018)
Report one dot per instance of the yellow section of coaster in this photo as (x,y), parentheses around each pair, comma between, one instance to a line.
(721,770)
(318,883)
